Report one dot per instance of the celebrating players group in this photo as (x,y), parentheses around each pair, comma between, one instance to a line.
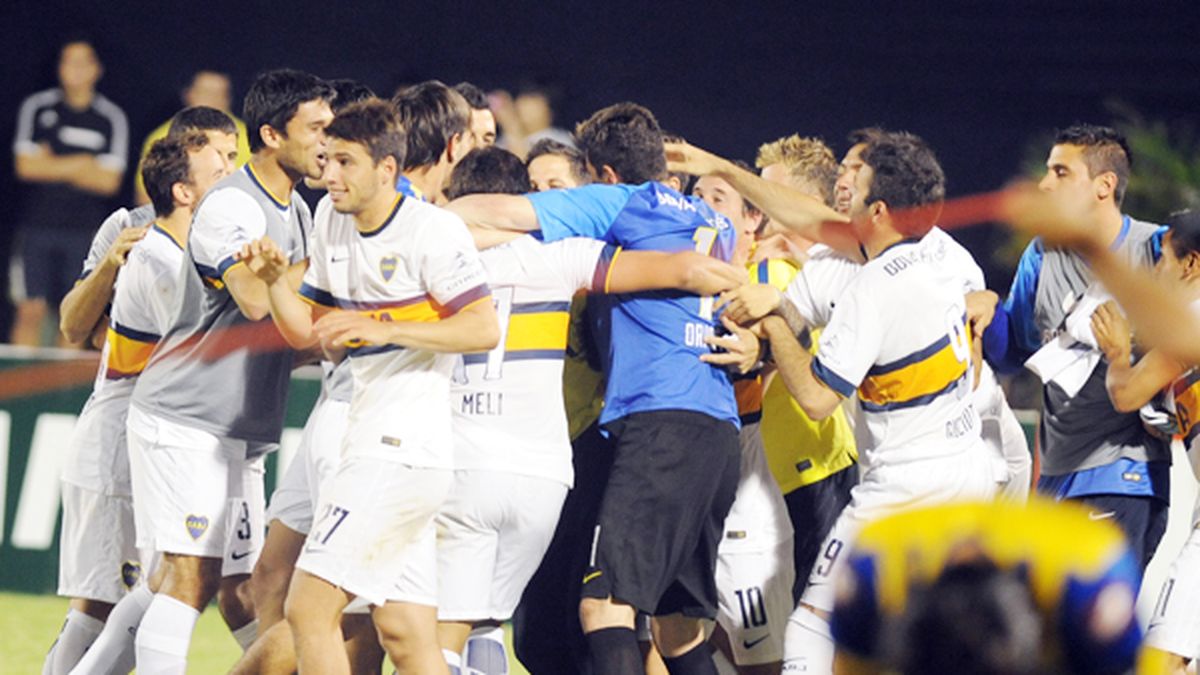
(646,426)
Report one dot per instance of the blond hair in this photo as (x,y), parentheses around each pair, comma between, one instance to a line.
(807,159)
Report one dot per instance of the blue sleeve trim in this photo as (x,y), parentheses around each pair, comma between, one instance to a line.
(1156,241)
(1014,335)
(832,379)
(224,265)
(587,211)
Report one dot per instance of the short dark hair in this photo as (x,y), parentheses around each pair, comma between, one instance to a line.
(627,138)
(474,95)
(167,163)
(349,91)
(974,618)
(575,159)
(1185,232)
(864,135)
(489,170)
(200,118)
(908,178)
(1104,149)
(431,114)
(274,98)
(374,125)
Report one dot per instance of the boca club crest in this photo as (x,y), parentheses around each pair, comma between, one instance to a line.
(387,267)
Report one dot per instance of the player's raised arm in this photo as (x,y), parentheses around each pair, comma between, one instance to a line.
(513,213)
(794,363)
(804,214)
(292,315)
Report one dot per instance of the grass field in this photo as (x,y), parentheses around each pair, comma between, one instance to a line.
(29,624)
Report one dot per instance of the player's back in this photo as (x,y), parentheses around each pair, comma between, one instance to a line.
(508,402)
(215,369)
(915,396)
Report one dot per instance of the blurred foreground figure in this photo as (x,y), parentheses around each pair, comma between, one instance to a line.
(988,588)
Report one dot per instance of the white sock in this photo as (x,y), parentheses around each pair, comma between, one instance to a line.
(454,661)
(246,634)
(112,652)
(164,637)
(807,643)
(485,653)
(78,633)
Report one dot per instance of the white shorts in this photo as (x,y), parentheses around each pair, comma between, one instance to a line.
(189,487)
(754,590)
(295,498)
(1175,623)
(374,535)
(883,490)
(247,527)
(492,533)
(97,555)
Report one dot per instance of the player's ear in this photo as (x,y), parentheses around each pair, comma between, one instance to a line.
(1106,185)
(182,193)
(389,169)
(270,136)
(608,175)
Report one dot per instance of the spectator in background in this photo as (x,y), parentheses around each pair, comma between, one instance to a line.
(70,151)
(527,119)
(207,88)
(483,122)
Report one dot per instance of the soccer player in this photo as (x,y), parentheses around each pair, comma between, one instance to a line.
(483,122)
(755,571)
(397,283)
(554,166)
(210,402)
(437,123)
(98,560)
(70,151)
(1169,386)
(662,403)
(84,305)
(1090,451)
(898,336)
(988,588)
(205,89)
(510,482)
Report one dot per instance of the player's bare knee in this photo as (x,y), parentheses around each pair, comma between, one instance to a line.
(191,579)
(235,601)
(676,634)
(405,628)
(598,613)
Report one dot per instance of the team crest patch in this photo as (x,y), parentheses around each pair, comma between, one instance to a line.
(196,525)
(131,573)
(387,267)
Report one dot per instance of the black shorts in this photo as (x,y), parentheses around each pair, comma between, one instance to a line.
(51,261)
(674,477)
(813,509)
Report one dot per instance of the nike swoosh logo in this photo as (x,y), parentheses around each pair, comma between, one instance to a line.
(750,644)
(238,556)
(338,260)
(1101,516)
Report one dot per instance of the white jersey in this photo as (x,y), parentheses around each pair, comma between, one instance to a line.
(142,307)
(420,265)
(508,403)
(899,337)
(819,283)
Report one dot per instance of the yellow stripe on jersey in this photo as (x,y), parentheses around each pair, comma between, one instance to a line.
(537,331)
(913,380)
(128,352)
(1057,537)
(425,310)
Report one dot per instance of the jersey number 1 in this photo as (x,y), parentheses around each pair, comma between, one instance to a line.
(705,237)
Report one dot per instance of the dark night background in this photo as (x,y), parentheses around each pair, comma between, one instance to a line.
(980,80)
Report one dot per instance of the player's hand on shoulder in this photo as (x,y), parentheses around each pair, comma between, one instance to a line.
(740,349)
(264,259)
(118,252)
(749,303)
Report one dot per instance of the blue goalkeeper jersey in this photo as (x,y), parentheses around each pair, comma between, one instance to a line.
(653,357)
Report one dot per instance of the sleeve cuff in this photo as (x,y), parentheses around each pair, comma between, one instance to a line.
(831,379)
